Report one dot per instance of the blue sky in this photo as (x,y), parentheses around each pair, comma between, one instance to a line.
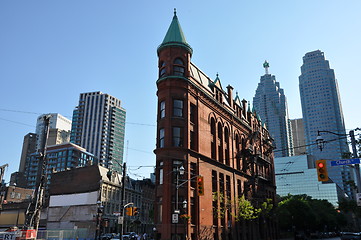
(51,51)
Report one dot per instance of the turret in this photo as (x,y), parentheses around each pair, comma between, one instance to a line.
(174,53)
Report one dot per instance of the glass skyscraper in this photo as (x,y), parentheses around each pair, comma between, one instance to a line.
(321,110)
(296,176)
(270,104)
(99,127)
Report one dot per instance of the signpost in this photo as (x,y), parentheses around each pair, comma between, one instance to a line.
(175,218)
(345,162)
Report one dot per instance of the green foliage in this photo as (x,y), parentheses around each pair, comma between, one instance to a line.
(350,206)
(244,208)
(246,211)
(224,206)
(304,213)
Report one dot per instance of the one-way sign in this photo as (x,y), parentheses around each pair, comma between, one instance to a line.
(345,162)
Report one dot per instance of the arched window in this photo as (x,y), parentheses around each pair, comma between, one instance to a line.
(213,141)
(226,147)
(178,67)
(238,149)
(162,69)
(220,143)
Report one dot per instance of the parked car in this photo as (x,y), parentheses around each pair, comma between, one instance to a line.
(350,235)
(107,236)
(115,237)
(130,236)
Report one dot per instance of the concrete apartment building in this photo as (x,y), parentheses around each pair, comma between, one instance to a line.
(206,131)
(99,127)
(57,121)
(29,167)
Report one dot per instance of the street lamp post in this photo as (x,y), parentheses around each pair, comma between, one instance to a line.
(321,143)
(180,172)
(185,203)
(123,216)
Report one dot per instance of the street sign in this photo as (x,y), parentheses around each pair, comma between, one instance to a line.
(345,162)
(175,218)
(120,219)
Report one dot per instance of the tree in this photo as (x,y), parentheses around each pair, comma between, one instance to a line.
(301,212)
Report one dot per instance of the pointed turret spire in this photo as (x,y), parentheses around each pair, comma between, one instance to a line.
(175,36)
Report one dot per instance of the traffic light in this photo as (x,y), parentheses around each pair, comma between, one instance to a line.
(200,186)
(129,211)
(322,173)
(135,211)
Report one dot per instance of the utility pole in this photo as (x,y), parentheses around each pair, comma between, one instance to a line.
(32,218)
(355,155)
(2,186)
(122,199)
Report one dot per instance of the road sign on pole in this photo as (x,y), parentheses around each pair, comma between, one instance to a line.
(345,162)
(175,218)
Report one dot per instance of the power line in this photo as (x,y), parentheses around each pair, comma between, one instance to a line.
(7,120)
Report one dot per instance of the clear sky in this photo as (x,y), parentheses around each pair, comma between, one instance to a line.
(51,51)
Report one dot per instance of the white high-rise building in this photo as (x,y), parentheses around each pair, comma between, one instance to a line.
(57,121)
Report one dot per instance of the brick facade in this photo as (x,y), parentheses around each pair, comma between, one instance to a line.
(210,133)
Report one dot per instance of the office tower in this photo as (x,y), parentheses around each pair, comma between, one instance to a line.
(60,157)
(296,176)
(59,132)
(99,127)
(270,104)
(321,110)
(29,146)
(57,121)
(207,135)
(298,136)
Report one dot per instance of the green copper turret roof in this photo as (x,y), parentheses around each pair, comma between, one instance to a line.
(175,36)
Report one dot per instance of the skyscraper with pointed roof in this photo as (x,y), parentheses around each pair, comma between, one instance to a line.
(203,130)
(270,104)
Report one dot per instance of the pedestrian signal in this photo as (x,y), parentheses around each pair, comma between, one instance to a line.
(322,173)
(200,186)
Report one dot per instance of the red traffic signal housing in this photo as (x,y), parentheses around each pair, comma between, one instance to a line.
(200,186)
(322,173)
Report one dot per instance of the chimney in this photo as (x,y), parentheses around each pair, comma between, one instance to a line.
(244,105)
(230,95)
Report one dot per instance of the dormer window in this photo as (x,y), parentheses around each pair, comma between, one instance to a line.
(162,70)
(178,67)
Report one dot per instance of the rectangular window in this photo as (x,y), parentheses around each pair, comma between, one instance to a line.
(161,176)
(192,113)
(192,140)
(177,108)
(193,169)
(160,210)
(162,109)
(177,139)
(161,138)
